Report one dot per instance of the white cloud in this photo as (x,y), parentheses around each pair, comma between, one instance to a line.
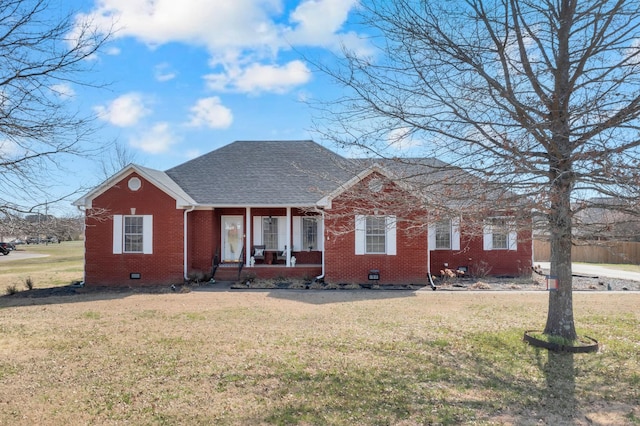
(258,78)
(401,139)
(237,34)
(124,111)
(317,22)
(63,90)
(211,113)
(156,140)
(192,153)
(163,72)
(212,23)
(9,149)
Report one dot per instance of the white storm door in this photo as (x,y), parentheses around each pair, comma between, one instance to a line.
(232,238)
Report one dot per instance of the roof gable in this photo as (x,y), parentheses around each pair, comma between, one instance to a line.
(263,173)
(158,178)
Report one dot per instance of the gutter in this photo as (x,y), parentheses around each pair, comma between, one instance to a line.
(184,232)
(321,276)
(84,242)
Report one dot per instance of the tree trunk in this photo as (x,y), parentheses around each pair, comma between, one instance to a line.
(560,316)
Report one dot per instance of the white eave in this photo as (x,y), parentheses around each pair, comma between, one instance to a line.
(156,177)
(325,202)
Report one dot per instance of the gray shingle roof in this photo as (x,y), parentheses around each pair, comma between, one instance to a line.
(266,173)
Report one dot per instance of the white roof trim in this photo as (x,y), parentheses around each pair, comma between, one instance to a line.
(326,201)
(158,178)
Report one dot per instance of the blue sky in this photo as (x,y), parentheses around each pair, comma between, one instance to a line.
(186,77)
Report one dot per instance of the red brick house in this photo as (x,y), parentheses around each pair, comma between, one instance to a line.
(282,209)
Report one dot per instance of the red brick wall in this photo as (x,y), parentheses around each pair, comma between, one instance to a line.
(342,265)
(163,267)
(409,265)
(204,239)
(473,256)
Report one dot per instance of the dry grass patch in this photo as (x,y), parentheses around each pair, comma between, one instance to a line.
(316,357)
(62,264)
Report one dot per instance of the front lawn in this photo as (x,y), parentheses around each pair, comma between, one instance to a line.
(313,358)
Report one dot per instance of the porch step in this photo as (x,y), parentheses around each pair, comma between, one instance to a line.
(229,272)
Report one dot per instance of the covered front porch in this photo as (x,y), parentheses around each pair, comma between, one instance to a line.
(257,242)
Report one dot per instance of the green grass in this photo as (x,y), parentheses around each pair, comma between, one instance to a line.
(62,265)
(617,266)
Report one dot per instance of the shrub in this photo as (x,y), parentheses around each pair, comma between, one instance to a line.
(248,277)
(480,269)
(28,283)
(12,289)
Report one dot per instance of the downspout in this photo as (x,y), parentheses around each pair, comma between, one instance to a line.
(184,232)
(321,276)
(84,243)
(433,286)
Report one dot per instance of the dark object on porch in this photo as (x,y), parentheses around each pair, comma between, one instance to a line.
(241,262)
(282,255)
(258,253)
(214,264)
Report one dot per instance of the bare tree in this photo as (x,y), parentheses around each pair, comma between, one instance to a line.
(43,54)
(120,157)
(538,99)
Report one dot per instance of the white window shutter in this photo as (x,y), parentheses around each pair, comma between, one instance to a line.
(257,230)
(117,234)
(455,234)
(391,235)
(360,234)
(488,238)
(282,233)
(513,240)
(147,236)
(296,231)
(432,236)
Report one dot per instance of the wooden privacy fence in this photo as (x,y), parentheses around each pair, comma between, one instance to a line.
(593,252)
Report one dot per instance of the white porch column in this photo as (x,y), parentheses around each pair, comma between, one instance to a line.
(289,237)
(247,237)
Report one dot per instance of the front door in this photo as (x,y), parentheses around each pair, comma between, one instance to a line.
(232,238)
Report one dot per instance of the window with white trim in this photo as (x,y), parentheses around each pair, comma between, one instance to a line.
(375,235)
(443,234)
(309,233)
(500,234)
(270,233)
(132,234)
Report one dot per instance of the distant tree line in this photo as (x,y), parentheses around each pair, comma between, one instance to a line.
(40,227)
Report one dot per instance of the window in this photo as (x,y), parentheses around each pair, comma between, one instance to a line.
(309,233)
(443,234)
(500,234)
(375,235)
(270,233)
(133,234)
